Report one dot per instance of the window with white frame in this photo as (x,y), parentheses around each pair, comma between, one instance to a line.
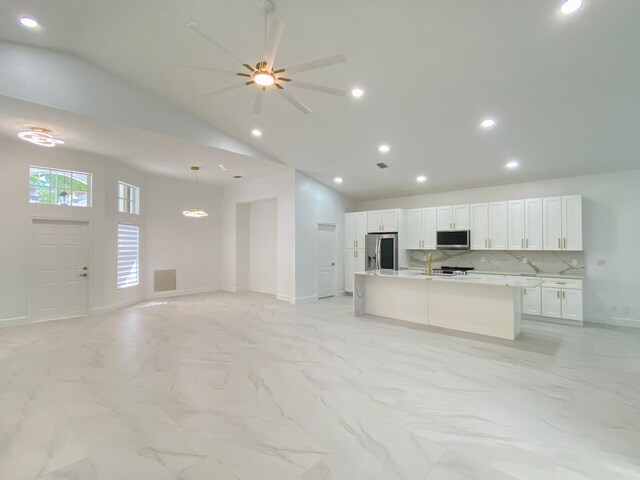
(49,186)
(128,255)
(128,198)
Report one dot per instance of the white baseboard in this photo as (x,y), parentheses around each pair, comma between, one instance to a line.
(284,298)
(302,300)
(12,322)
(113,307)
(179,293)
(269,291)
(616,321)
(560,321)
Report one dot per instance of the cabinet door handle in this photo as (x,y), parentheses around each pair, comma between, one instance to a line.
(565,243)
(525,291)
(527,244)
(558,293)
(522,243)
(485,243)
(563,295)
(559,245)
(489,243)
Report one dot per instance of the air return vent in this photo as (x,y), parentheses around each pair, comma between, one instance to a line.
(382,165)
(164,280)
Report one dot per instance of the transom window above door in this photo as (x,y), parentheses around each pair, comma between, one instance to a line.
(49,186)
(128,198)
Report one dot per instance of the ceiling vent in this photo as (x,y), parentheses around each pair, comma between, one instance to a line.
(382,165)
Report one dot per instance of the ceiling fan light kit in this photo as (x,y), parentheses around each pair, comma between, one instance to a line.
(264,76)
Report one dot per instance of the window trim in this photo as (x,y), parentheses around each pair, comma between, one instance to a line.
(128,284)
(134,205)
(51,187)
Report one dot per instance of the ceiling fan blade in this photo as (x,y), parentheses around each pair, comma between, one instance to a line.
(223,90)
(320,63)
(295,102)
(257,103)
(274,34)
(251,68)
(206,69)
(319,88)
(282,79)
(199,32)
(243,75)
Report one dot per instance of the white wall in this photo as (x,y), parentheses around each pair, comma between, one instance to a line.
(317,203)
(611,232)
(263,246)
(282,188)
(167,238)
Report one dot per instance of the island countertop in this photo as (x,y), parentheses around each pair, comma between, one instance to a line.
(499,280)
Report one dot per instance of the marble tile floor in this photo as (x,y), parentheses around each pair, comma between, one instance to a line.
(240,386)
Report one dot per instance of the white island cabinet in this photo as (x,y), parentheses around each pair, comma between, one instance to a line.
(484,305)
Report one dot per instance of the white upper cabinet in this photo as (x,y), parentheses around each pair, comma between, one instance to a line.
(489,223)
(572,222)
(562,223)
(552,223)
(355,229)
(479,226)
(414,228)
(516,225)
(383,221)
(421,228)
(390,220)
(429,228)
(498,225)
(374,221)
(533,224)
(454,218)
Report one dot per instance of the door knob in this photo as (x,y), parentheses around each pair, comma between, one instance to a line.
(84,274)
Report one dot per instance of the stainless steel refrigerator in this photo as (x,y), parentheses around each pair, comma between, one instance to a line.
(381,251)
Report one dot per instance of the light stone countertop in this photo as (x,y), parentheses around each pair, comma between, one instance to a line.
(500,281)
(575,276)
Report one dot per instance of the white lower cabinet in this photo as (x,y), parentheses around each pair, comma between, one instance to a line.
(559,299)
(532,301)
(353,262)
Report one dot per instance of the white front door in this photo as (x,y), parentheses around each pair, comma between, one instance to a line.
(59,270)
(326,261)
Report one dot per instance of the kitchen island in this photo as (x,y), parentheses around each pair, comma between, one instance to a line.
(468,303)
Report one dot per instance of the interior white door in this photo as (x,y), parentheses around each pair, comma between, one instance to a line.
(479,226)
(326,261)
(572,222)
(498,226)
(374,221)
(533,224)
(552,221)
(414,228)
(429,228)
(516,225)
(59,270)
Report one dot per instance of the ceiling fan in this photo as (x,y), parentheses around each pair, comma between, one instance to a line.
(264,75)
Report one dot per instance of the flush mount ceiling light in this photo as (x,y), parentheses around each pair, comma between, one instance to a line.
(384,148)
(338,180)
(39,136)
(256,133)
(571,6)
(512,164)
(195,212)
(28,22)
(488,123)
(357,92)
(421,179)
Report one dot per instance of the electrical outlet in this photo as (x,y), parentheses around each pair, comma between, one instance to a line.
(601,262)
(525,260)
(574,262)
(626,310)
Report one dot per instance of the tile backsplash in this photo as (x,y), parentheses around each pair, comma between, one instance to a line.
(503,261)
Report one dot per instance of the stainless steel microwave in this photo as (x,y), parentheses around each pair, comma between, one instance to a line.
(453,240)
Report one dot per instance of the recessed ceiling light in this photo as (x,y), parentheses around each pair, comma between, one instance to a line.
(571,6)
(28,22)
(384,148)
(488,123)
(256,133)
(512,164)
(357,92)
(338,180)
(421,179)
(39,136)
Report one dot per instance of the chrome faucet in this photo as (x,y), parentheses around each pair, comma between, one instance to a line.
(427,268)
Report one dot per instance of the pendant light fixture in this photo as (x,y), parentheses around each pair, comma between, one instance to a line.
(195,212)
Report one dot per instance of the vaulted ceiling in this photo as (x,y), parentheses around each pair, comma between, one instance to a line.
(563,89)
